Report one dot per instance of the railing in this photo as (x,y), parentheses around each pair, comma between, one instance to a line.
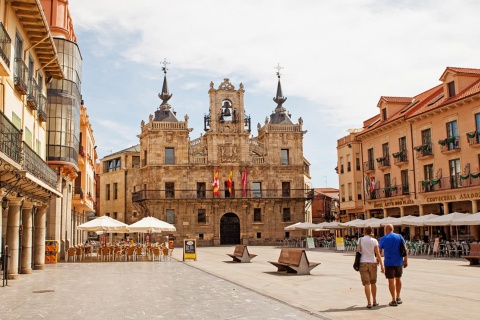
(448,183)
(369,165)
(20,76)
(383,162)
(424,150)
(42,108)
(32,95)
(38,167)
(400,157)
(10,139)
(5,45)
(258,160)
(449,143)
(224,194)
(393,191)
(375,193)
(199,159)
(473,138)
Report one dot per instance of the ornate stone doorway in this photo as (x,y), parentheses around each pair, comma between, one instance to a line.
(230,229)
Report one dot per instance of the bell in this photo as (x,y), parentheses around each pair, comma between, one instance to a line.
(226,112)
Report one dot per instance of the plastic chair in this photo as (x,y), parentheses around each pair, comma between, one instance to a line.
(70,255)
(155,252)
(166,254)
(79,253)
(138,253)
(130,253)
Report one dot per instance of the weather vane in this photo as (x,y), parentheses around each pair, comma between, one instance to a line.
(164,68)
(278,69)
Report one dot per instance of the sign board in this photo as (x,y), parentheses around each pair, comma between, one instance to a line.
(340,244)
(310,243)
(190,249)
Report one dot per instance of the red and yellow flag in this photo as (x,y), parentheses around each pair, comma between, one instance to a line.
(230,182)
(216,183)
(244,182)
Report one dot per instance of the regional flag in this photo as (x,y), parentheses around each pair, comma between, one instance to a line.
(216,184)
(244,182)
(230,182)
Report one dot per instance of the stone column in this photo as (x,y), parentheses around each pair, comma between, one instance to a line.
(445,208)
(39,238)
(368,214)
(27,226)
(474,206)
(420,210)
(384,212)
(13,237)
(402,211)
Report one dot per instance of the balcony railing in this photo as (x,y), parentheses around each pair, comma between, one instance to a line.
(368,166)
(38,167)
(42,108)
(32,95)
(448,183)
(374,193)
(177,194)
(393,191)
(5,45)
(473,138)
(20,76)
(424,150)
(383,162)
(450,143)
(400,157)
(10,139)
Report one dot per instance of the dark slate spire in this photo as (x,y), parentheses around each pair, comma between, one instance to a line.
(280,114)
(164,112)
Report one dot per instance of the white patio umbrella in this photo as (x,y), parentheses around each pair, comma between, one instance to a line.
(445,220)
(151,224)
(333,225)
(417,221)
(105,224)
(468,220)
(383,222)
(353,223)
(301,226)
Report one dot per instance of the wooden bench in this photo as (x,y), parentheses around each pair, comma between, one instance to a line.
(240,254)
(294,261)
(474,254)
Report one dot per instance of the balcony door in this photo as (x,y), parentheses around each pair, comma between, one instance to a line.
(454,173)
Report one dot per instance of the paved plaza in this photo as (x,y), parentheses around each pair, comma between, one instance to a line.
(213,287)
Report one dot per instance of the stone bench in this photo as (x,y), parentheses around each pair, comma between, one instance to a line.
(294,261)
(474,254)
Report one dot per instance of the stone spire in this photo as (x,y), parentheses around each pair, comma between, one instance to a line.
(280,114)
(164,112)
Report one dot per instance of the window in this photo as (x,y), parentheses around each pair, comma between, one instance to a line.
(357,161)
(257,189)
(200,236)
(286,215)
(384,114)
(385,150)
(427,136)
(306,168)
(350,192)
(342,192)
(115,215)
(359,191)
(201,190)
(428,176)
(257,215)
(135,161)
(451,89)
(454,166)
(341,164)
(452,135)
(349,165)
(387,181)
(404,176)
(28,137)
(285,189)
(38,147)
(111,165)
(259,235)
(107,214)
(229,194)
(107,192)
(169,156)
(202,216)
(284,156)
(402,143)
(169,190)
(170,216)
(115,190)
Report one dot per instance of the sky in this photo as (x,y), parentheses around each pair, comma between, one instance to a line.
(338,59)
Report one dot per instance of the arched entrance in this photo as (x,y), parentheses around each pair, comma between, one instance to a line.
(230,229)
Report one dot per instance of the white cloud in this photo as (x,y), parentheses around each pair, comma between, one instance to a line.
(339,57)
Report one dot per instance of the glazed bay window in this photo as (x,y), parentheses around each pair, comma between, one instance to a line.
(112,165)
(169,190)
(169,156)
(257,215)
(257,189)
(284,156)
(170,216)
(286,215)
(201,216)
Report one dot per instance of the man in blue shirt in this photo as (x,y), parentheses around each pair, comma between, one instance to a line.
(394,263)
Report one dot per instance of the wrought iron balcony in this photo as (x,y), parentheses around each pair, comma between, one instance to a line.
(448,183)
(450,143)
(5,46)
(368,165)
(34,164)
(42,108)
(20,76)
(394,191)
(424,150)
(10,139)
(383,162)
(32,95)
(400,157)
(295,194)
(473,138)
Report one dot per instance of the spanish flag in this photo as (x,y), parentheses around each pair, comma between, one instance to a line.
(230,182)
(216,184)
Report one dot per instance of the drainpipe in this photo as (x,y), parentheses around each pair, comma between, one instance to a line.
(413,164)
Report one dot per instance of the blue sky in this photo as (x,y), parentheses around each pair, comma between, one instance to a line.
(338,59)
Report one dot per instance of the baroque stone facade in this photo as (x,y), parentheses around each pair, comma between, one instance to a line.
(264,182)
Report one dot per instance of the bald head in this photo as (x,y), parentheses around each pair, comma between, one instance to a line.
(388,228)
